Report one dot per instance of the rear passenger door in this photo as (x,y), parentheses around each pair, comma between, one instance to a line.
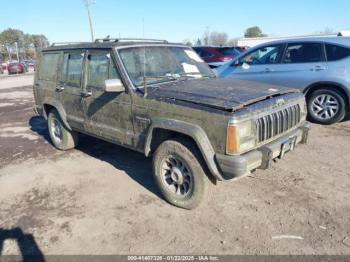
(108,115)
(46,82)
(302,64)
(69,88)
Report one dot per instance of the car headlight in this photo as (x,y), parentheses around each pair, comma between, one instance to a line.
(240,137)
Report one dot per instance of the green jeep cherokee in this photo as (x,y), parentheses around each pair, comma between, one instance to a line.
(162,100)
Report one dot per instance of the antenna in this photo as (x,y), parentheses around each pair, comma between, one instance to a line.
(88,3)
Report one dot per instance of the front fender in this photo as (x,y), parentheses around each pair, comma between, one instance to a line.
(191,130)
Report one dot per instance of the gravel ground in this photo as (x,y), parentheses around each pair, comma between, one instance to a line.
(100,198)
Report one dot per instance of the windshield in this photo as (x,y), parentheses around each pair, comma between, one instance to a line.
(229,51)
(157,64)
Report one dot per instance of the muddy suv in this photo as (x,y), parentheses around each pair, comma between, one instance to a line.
(161,99)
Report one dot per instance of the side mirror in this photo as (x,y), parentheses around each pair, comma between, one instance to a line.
(114,85)
(236,63)
(245,66)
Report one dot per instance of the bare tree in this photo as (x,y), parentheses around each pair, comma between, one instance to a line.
(217,38)
(206,36)
(327,31)
(232,42)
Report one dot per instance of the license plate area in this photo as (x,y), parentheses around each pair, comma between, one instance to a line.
(287,146)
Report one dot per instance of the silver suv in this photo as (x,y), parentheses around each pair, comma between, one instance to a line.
(320,67)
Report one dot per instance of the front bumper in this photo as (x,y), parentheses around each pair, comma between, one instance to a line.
(261,158)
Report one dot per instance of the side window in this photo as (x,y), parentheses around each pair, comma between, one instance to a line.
(72,68)
(100,68)
(303,53)
(335,52)
(264,56)
(206,54)
(48,66)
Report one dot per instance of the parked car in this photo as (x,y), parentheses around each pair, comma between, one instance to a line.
(26,65)
(319,67)
(30,63)
(242,49)
(162,100)
(16,68)
(3,66)
(216,56)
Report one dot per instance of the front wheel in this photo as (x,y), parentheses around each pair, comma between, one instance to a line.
(326,106)
(179,174)
(61,137)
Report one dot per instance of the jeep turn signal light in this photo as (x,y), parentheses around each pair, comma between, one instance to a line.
(232,142)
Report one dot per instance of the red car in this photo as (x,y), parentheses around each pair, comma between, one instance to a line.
(216,56)
(16,68)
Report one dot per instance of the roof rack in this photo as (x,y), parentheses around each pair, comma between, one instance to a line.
(128,39)
(68,43)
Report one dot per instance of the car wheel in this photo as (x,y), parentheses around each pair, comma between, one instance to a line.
(179,173)
(61,137)
(326,107)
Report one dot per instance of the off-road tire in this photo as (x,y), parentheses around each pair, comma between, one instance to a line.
(339,116)
(69,139)
(188,153)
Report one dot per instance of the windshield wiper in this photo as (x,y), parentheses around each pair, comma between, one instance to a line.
(172,77)
(168,77)
(194,74)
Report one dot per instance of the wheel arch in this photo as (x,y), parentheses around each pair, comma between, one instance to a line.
(164,129)
(330,85)
(48,105)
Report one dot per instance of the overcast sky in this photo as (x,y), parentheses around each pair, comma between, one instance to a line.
(66,20)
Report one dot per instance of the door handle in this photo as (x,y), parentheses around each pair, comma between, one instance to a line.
(268,70)
(318,68)
(86,93)
(59,88)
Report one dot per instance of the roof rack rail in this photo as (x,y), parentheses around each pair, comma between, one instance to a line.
(68,43)
(128,39)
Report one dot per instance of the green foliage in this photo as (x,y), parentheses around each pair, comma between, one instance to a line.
(28,44)
(254,31)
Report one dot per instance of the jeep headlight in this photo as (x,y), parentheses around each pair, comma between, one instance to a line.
(240,137)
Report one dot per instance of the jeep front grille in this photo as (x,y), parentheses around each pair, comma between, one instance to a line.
(277,123)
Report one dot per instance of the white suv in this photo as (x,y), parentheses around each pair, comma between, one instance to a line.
(320,67)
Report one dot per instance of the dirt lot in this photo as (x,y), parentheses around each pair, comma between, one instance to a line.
(100,198)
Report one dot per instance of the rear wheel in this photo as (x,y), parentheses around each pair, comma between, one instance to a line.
(326,106)
(179,173)
(61,137)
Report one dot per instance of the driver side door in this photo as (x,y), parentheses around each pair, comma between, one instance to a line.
(107,114)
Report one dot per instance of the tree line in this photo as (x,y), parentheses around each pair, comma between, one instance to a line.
(14,41)
(222,38)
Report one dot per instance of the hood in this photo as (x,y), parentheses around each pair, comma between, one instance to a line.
(229,95)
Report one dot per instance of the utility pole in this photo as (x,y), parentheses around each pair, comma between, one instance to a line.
(88,3)
(17,51)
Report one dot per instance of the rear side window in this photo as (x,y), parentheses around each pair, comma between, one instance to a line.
(100,68)
(203,53)
(335,52)
(304,53)
(228,51)
(48,66)
(72,68)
